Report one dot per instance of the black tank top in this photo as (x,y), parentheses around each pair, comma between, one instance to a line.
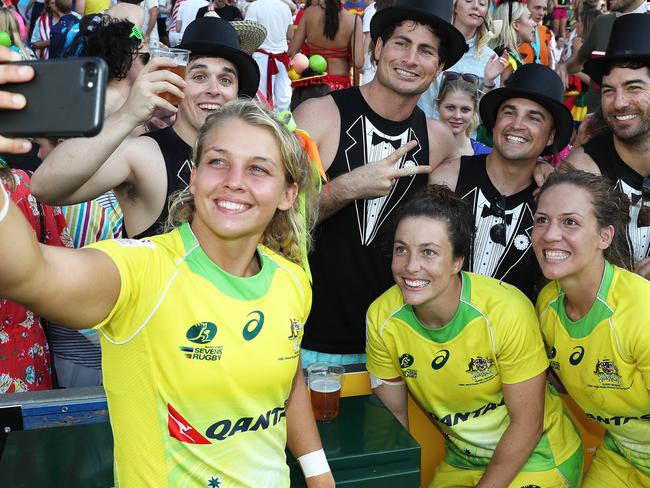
(514,263)
(602,151)
(351,259)
(178,156)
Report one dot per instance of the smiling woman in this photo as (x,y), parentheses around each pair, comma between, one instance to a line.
(594,319)
(468,348)
(184,308)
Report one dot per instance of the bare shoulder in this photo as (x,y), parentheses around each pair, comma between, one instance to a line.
(578,159)
(316,114)
(442,144)
(321,119)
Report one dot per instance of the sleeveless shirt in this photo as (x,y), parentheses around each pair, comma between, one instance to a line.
(178,164)
(514,263)
(351,260)
(602,151)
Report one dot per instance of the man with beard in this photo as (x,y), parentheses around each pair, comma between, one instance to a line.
(621,154)
(358,131)
(144,171)
(528,120)
(596,42)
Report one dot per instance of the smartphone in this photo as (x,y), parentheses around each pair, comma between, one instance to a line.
(64,99)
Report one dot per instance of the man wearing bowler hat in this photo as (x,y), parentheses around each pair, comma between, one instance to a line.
(528,120)
(144,171)
(621,153)
(376,147)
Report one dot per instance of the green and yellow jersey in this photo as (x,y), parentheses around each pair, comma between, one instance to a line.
(456,372)
(198,364)
(603,359)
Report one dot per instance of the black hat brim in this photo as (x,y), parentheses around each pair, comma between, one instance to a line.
(562,118)
(454,41)
(248,73)
(595,68)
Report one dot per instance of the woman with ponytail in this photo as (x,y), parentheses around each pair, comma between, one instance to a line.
(518,27)
(200,327)
(329,30)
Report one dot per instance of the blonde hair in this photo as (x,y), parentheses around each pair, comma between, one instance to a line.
(289,232)
(482,34)
(9,24)
(462,86)
(507,38)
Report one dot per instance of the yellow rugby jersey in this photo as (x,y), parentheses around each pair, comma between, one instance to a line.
(456,372)
(198,365)
(603,359)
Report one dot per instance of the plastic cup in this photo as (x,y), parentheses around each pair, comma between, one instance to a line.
(181,56)
(324,381)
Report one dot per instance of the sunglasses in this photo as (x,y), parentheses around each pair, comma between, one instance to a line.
(454,75)
(643,219)
(498,231)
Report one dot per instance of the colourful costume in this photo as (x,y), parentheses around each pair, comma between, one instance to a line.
(198,364)
(336,82)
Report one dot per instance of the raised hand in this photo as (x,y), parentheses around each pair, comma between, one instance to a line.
(376,179)
(145,98)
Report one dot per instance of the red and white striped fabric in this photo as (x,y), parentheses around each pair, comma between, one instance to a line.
(172,26)
(44,25)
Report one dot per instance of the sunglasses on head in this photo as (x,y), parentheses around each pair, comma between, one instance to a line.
(498,231)
(643,219)
(454,75)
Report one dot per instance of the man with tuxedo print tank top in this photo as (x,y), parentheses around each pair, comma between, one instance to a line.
(621,153)
(377,148)
(528,120)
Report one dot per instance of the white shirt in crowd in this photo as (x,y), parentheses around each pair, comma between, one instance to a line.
(368,71)
(187,13)
(276,16)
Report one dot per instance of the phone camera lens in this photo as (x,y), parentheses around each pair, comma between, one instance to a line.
(91,70)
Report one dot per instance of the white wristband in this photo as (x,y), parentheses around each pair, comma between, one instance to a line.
(314,463)
(5,206)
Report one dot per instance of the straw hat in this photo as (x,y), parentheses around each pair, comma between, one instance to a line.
(251,34)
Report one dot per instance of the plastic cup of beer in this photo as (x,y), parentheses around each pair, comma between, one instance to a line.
(181,56)
(324,381)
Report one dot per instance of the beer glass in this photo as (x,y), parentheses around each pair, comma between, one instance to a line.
(324,381)
(181,56)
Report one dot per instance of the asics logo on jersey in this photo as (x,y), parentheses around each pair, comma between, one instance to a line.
(577,356)
(227,428)
(440,360)
(455,418)
(201,333)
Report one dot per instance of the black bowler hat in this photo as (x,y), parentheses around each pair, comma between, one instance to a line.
(212,36)
(436,13)
(630,39)
(540,84)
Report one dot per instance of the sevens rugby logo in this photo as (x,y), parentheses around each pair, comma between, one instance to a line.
(202,333)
